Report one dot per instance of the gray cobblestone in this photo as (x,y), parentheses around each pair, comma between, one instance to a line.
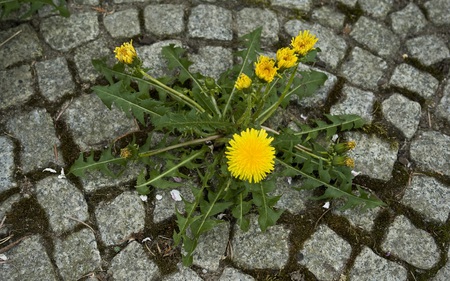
(411,244)
(38,146)
(403,113)
(24,47)
(210,22)
(443,107)
(77,255)
(7,166)
(443,273)
(63,34)
(231,274)
(438,11)
(211,247)
(248,19)
(355,101)
(428,49)
(183,274)
(432,157)
(407,21)
(363,219)
(414,80)
(63,203)
(325,254)
(21,80)
(328,16)
(85,54)
(302,5)
(153,59)
(173,22)
(376,8)
(123,24)
(363,69)
(211,61)
(54,78)
(375,36)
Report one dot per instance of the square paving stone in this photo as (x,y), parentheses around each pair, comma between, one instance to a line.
(248,19)
(77,255)
(431,151)
(355,101)
(403,113)
(363,69)
(173,16)
(376,8)
(211,61)
(210,22)
(376,37)
(153,59)
(63,34)
(28,262)
(443,108)
(16,86)
(329,17)
(23,46)
(302,5)
(123,24)
(428,49)
(410,78)
(408,21)
(438,11)
(54,78)
(84,55)
(211,247)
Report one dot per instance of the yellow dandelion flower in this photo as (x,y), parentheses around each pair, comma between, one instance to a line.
(125,153)
(349,162)
(303,42)
(243,82)
(265,68)
(250,156)
(286,58)
(125,53)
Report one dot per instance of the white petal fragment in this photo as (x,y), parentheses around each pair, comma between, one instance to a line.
(62,175)
(175,195)
(49,170)
(143,197)
(158,197)
(326,205)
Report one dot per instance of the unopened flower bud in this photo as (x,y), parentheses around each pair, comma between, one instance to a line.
(344,146)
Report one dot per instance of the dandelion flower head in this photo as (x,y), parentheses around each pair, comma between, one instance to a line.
(286,58)
(125,53)
(250,155)
(265,68)
(243,82)
(303,42)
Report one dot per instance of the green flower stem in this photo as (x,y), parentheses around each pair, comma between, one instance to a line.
(175,146)
(269,111)
(171,91)
(263,98)
(174,168)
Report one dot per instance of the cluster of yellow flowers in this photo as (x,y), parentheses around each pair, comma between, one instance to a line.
(266,68)
(126,53)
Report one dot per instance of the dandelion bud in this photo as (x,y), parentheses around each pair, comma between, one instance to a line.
(125,153)
(243,82)
(340,160)
(210,83)
(344,146)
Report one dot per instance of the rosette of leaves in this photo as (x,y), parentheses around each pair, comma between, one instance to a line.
(199,115)
(8,6)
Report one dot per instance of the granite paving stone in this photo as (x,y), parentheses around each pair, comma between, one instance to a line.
(88,2)
(373,156)
(173,15)
(25,46)
(410,78)
(369,266)
(37,146)
(329,17)
(325,254)
(77,255)
(302,5)
(165,206)
(443,107)
(54,78)
(232,274)
(211,247)
(153,59)
(403,113)
(444,272)
(363,69)
(408,21)
(132,263)
(320,96)
(363,219)
(429,197)
(93,125)
(63,34)
(376,8)
(428,49)
(211,61)
(355,101)
(210,22)
(375,36)
(291,199)
(86,53)
(123,24)
(431,151)
(63,203)
(349,3)
(7,166)
(410,244)
(248,19)
(333,46)
(118,219)
(256,249)
(127,1)
(16,86)
(438,11)
(183,274)
(29,251)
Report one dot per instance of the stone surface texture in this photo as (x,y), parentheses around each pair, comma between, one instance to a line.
(386,61)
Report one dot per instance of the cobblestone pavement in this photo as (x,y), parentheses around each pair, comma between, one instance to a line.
(386,60)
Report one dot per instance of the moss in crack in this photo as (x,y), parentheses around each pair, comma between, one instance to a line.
(27,217)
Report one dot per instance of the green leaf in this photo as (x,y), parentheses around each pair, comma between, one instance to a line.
(267,215)
(82,164)
(240,209)
(308,84)
(129,102)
